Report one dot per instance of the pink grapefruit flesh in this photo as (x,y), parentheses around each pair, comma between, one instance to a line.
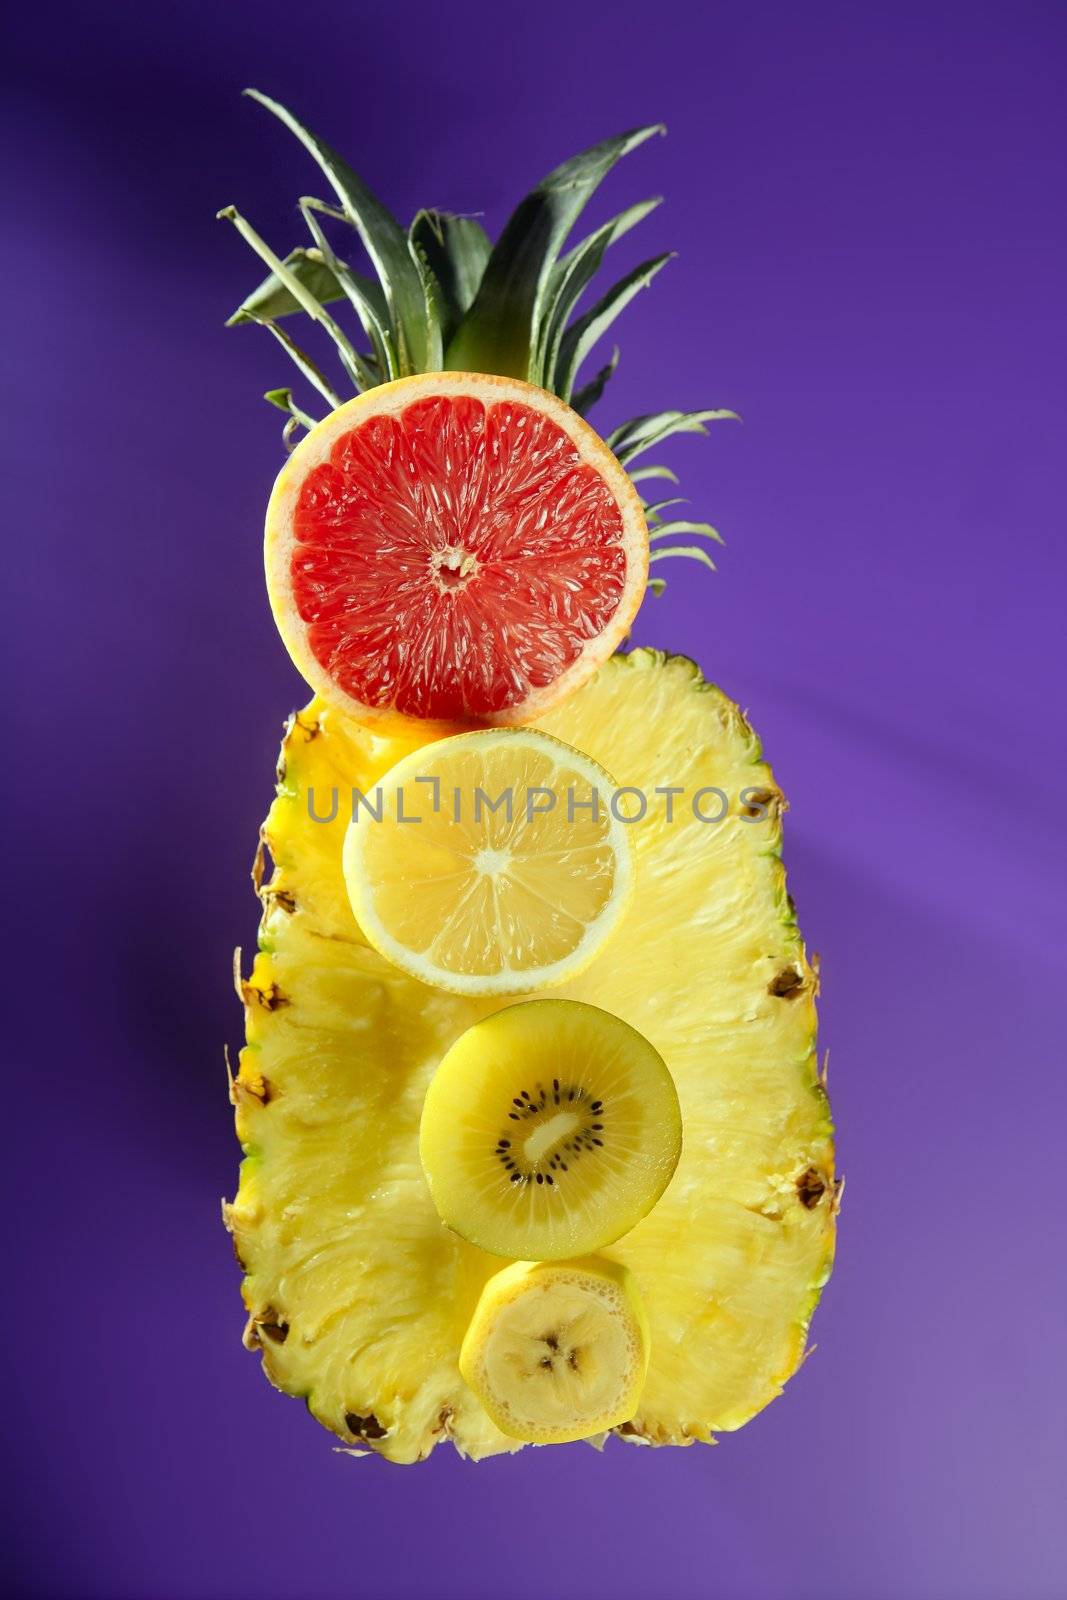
(453,548)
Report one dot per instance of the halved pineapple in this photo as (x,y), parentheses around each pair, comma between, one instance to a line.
(357,1295)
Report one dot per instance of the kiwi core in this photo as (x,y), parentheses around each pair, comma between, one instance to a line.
(551,1133)
(559,1126)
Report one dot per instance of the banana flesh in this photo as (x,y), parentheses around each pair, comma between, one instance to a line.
(557,1350)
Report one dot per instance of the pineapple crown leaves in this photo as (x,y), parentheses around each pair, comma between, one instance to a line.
(446,298)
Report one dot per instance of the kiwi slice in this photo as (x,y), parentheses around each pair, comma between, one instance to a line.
(558,1350)
(549,1129)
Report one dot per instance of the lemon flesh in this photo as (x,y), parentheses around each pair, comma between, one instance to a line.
(490,863)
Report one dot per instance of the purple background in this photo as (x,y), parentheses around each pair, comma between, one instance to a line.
(867,202)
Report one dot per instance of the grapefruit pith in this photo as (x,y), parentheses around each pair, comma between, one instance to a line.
(453,548)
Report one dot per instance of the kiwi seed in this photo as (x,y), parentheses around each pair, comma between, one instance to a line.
(542,1108)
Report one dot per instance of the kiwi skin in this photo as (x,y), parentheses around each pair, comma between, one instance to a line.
(480,1098)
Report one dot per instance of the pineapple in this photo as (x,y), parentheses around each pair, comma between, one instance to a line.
(357,1297)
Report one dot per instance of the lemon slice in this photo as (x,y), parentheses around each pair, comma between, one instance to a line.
(490,863)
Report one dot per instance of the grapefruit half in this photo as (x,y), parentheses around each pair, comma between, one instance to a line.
(453,549)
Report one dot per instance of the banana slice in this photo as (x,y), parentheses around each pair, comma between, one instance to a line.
(558,1350)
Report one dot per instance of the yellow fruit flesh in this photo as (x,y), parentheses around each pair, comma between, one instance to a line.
(478,864)
(557,1351)
(357,1295)
(549,1130)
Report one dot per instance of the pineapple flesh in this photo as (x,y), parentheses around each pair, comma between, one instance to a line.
(357,1296)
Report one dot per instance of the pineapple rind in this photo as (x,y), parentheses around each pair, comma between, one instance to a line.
(357,1296)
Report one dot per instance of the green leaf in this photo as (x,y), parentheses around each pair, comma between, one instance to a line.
(384,239)
(283,400)
(456,250)
(431,290)
(272,299)
(582,335)
(693,551)
(657,585)
(606,235)
(633,438)
(305,365)
(571,276)
(704,530)
(652,512)
(644,473)
(590,393)
(363,293)
(498,332)
(352,361)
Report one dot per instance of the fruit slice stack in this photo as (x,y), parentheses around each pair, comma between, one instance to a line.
(452,559)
